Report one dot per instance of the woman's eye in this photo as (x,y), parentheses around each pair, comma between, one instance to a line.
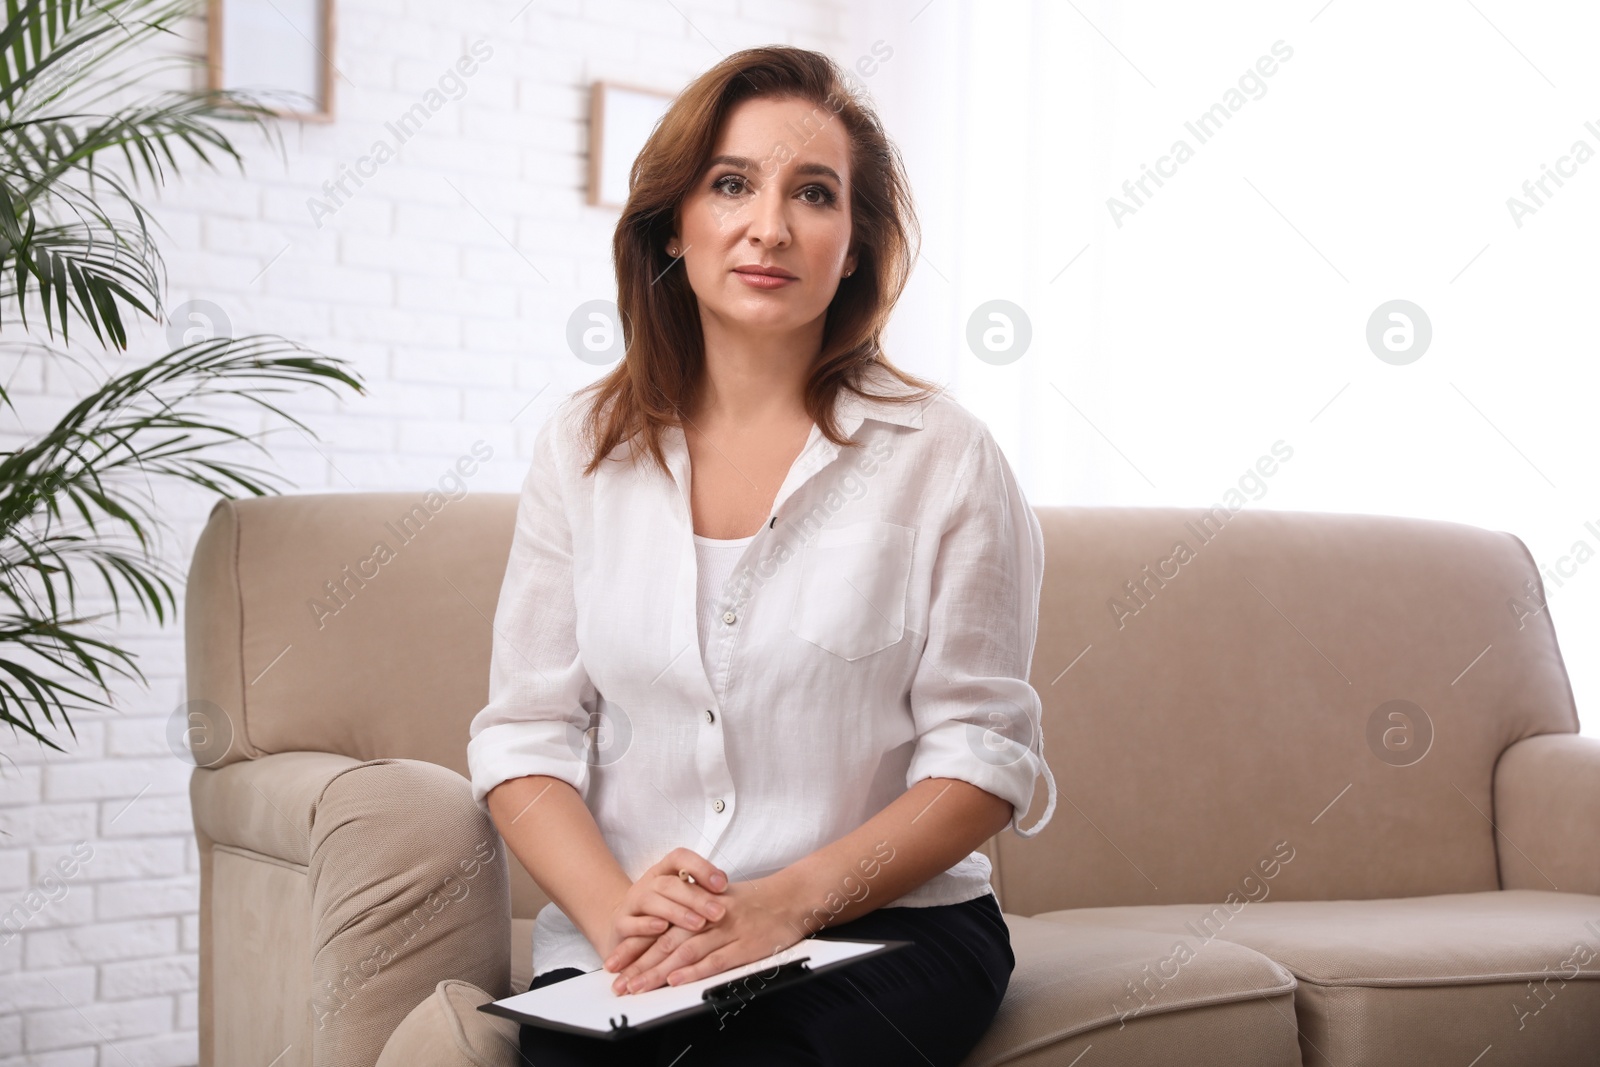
(734,184)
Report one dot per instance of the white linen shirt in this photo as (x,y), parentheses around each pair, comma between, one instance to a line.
(878,630)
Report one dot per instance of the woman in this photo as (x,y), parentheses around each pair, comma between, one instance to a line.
(849,551)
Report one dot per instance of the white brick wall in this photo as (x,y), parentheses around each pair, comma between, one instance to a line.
(440,304)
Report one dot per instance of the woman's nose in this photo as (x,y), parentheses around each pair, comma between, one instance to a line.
(768,221)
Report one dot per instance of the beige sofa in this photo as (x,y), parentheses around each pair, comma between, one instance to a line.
(1322,800)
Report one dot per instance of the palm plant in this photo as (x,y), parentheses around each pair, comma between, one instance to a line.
(78,140)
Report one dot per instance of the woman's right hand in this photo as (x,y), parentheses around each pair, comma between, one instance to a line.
(661,899)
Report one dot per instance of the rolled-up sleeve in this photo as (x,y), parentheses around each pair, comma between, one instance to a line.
(977,717)
(537,718)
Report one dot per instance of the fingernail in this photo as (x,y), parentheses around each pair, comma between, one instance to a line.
(718,880)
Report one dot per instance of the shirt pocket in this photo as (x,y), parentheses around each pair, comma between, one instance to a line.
(853,585)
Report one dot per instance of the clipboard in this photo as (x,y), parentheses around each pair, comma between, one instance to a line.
(579,1009)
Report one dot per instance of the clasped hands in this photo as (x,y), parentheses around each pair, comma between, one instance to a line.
(667,931)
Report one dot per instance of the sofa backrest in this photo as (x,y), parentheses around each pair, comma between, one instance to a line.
(1270,703)
(1241,699)
(355,623)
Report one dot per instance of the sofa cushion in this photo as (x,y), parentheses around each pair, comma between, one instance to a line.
(1436,979)
(1122,993)
(1072,989)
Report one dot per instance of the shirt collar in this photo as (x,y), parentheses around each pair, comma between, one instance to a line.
(851,410)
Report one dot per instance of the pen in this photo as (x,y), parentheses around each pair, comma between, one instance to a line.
(686,876)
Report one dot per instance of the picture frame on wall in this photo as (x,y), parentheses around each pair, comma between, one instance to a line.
(278,49)
(620,120)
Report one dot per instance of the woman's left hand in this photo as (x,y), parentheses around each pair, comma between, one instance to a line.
(760,921)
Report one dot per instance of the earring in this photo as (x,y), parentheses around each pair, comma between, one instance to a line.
(849,272)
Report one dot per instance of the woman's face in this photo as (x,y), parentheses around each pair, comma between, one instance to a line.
(775,194)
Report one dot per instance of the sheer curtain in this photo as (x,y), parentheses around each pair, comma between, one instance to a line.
(975,96)
(1360,232)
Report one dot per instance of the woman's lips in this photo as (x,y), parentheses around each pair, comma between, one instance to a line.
(764,281)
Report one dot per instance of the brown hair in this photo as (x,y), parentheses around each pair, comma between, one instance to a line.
(663,346)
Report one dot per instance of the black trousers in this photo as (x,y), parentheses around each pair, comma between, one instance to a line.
(927,1003)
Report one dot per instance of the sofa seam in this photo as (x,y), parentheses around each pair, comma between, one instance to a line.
(316,801)
(261,857)
(316,804)
(1572,708)
(1433,981)
(250,749)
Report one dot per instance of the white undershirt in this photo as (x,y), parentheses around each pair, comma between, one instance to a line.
(715,559)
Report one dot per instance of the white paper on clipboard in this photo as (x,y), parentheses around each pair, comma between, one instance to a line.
(585,1002)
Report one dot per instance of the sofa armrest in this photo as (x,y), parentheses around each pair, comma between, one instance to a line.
(407,881)
(1547,813)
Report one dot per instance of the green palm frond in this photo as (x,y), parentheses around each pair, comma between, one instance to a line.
(58,643)
(71,222)
(79,266)
(37,37)
(68,491)
(76,515)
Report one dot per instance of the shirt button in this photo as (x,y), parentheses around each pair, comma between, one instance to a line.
(719,805)
(710,717)
(729,617)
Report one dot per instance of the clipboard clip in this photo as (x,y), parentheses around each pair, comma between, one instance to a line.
(738,988)
(734,991)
